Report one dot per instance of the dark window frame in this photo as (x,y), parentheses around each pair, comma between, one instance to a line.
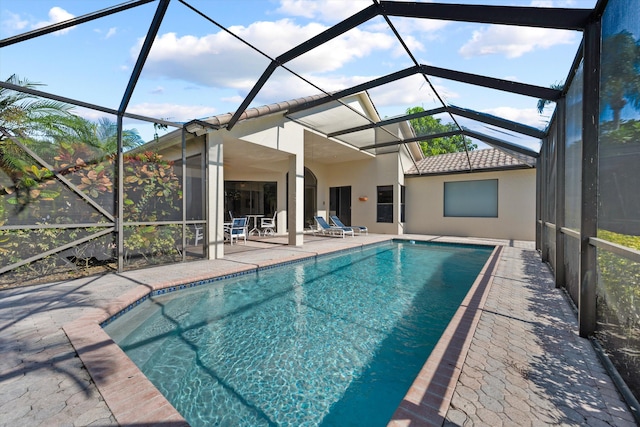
(384,207)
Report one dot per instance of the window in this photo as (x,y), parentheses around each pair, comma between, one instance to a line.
(402,199)
(385,203)
(471,198)
(250,197)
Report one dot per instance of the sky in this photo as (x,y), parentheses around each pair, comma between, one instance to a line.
(196,69)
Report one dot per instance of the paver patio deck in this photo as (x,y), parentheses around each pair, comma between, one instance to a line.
(518,361)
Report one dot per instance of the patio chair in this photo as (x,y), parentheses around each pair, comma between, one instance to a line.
(237,229)
(199,235)
(268,225)
(360,229)
(324,228)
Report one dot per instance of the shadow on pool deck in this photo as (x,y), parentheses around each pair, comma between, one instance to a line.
(525,363)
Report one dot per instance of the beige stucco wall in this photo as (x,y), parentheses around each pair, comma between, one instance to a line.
(364,176)
(516,206)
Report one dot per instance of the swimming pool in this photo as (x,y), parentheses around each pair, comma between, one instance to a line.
(336,340)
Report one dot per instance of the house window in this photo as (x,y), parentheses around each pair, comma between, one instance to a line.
(402,198)
(250,197)
(471,198)
(385,203)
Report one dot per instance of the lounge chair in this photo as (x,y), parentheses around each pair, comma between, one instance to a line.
(237,229)
(360,229)
(324,228)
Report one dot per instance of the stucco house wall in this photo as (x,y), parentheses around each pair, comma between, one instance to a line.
(261,149)
(516,206)
(364,177)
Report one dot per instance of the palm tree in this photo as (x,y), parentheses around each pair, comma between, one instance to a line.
(544,102)
(47,127)
(23,114)
(620,73)
(102,134)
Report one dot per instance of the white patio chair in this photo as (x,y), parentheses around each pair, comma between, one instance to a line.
(199,234)
(237,229)
(268,225)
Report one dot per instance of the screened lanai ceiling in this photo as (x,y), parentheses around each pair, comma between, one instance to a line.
(481,69)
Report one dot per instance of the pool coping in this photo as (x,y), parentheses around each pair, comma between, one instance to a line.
(429,397)
(126,389)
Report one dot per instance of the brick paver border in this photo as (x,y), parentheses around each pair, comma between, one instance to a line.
(427,401)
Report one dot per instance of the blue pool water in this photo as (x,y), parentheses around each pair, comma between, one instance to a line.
(335,341)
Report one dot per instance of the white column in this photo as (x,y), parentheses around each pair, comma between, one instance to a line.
(215,196)
(295,210)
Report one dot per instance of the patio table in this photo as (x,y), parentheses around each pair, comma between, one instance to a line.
(255,223)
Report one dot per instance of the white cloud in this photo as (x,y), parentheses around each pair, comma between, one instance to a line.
(401,94)
(159,90)
(424,28)
(219,60)
(233,99)
(527,116)
(409,92)
(172,112)
(168,111)
(331,56)
(412,43)
(13,23)
(542,3)
(325,10)
(56,15)
(513,42)
(110,32)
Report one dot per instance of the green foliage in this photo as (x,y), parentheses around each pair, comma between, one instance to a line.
(102,134)
(152,192)
(84,153)
(157,244)
(158,127)
(626,132)
(151,188)
(629,241)
(428,125)
(619,282)
(24,114)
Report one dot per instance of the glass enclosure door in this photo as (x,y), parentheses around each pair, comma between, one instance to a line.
(340,203)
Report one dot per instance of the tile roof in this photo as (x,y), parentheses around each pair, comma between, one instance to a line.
(489,159)
(251,113)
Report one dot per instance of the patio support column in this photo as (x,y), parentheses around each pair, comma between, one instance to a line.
(295,210)
(539,202)
(215,196)
(120,198)
(542,163)
(561,137)
(589,208)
